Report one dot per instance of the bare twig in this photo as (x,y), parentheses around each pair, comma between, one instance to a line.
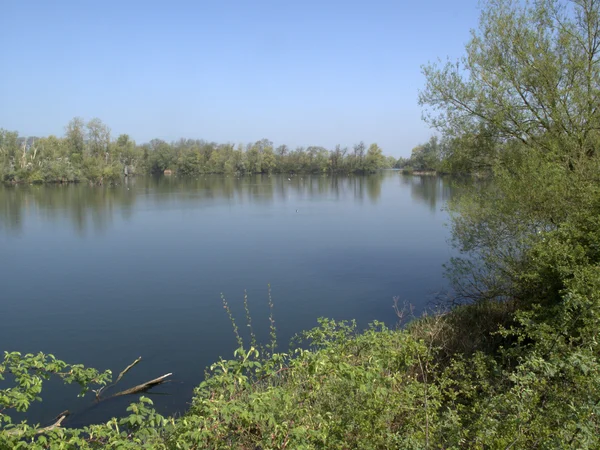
(127,369)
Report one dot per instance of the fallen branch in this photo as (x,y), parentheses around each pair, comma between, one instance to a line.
(54,425)
(127,369)
(144,386)
(60,418)
(62,414)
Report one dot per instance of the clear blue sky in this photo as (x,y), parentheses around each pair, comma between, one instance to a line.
(296,72)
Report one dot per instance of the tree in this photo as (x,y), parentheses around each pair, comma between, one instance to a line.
(126,150)
(254,159)
(75,135)
(269,161)
(526,97)
(88,153)
(9,146)
(161,156)
(417,161)
(359,150)
(375,159)
(426,156)
(359,155)
(316,159)
(189,163)
(337,157)
(530,74)
(282,150)
(98,138)
(401,163)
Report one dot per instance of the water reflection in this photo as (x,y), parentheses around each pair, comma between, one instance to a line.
(431,190)
(85,207)
(93,209)
(139,268)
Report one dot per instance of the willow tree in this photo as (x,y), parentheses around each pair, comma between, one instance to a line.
(526,97)
(530,74)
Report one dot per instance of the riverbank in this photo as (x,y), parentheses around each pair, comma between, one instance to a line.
(478,374)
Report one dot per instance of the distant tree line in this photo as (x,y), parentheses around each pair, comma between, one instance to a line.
(425,157)
(87,152)
(474,153)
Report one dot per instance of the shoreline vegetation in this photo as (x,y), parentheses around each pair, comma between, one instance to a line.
(88,153)
(513,363)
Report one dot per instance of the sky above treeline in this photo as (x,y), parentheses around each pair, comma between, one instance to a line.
(296,72)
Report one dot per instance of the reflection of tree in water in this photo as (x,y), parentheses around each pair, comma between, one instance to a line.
(433,191)
(90,207)
(85,206)
(206,188)
(11,210)
(338,187)
(358,187)
(374,186)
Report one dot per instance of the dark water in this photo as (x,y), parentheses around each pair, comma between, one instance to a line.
(100,276)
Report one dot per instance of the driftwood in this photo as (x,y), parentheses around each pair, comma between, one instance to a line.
(62,415)
(134,390)
(56,424)
(58,420)
(143,387)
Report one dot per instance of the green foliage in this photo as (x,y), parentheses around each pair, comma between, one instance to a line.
(142,428)
(532,381)
(375,159)
(29,372)
(87,153)
(519,105)
(346,390)
(469,154)
(425,157)
(517,366)
(529,75)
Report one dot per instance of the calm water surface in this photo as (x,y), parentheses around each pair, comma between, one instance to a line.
(100,276)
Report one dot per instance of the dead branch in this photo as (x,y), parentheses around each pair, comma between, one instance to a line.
(62,414)
(60,418)
(127,369)
(144,386)
(54,425)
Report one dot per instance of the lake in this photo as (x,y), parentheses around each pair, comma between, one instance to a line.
(102,275)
